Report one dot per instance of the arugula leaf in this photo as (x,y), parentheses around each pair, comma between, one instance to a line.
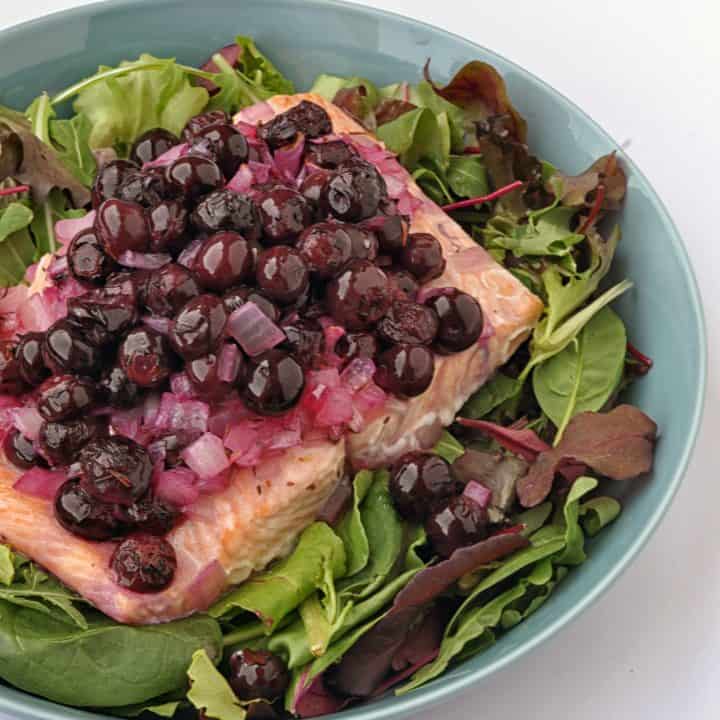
(31,641)
(273,594)
(71,141)
(585,374)
(598,512)
(448,448)
(260,70)
(42,227)
(152,92)
(467,176)
(351,529)
(541,582)
(209,691)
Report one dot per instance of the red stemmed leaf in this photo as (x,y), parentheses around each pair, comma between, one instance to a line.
(524,443)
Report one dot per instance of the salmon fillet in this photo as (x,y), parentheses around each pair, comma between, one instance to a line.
(258,517)
(510,311)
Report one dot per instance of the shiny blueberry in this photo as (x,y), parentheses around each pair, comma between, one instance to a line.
(405,370)
(404,285)
(423,257)
(258,675)
(284,214)
(200,122)
(195,176)
(151,515)
(330,154)
(408,322)
(274,382)
(144,563)
(462,522)
(30,364)
(281,274)
(117,390)
(67,348)
(60,442)
(326,248)
(225,259)
(83,515)
(20,451)
(11,382)
(227,210)
(392,233)
(223,144)
(306,117)
(198,327)
(353,192)
(65,396)
(356,345)
(147,188)
(169,289)
(203,374)
(304,339)
(461,320)
(152,144)
(109,179)
(312,185)
(359,296)
(145,357)
(115,313)
(87,260)
(168,222)
(122,226)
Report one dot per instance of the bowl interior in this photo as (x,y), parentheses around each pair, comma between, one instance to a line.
(662,312)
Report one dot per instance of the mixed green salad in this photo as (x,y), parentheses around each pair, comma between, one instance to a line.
(361,605)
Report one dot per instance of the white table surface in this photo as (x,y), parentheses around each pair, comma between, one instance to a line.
(648,73)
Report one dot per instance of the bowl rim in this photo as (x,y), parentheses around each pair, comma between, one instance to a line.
(438,691)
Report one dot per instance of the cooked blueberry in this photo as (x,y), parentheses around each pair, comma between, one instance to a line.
(203,373)
(227,210)
(115,313)
(408,322)
(392,233)
(284,214)
(274,382)
(258,675)
(11,382)
(146,358)
(67,348)
(198,327)
(83,515)
(405,370)
(199,122)
(305,339)
(30,364)
(364,242)
(60,442)
(152,144)
(330,154)
(312,185)
(87,260)
(225,259)
(404,284)
(326,248)
(461,320)
(20,451)
(109,178)
(169,289)
(117,390)
(356,345)
(144,563)
(353,192)
(223,144)
(423,257)
(122,226)
(306,117)
(167,222)
(359,296)
(282,274)
(195,176)
(462,522)
(151,515)
(65,396)
(115,469)
(147,187)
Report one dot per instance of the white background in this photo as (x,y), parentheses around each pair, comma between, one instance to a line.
(649,73)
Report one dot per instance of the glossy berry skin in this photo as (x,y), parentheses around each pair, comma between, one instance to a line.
(282,274)
(152,144)
(83,515)
(225,259)
(356,345)
(169,288)
(167,222)
(330,154)
(404,285)
(109,179)
(115,469)
(117,390)
(405,370)
(306,117)
(19,450)
(145,357)
(87,260)
(461,320)
(312,186)
(66,348)
(28,355)
(122,226)
(198,327)
(258,675)
(462,522)
(150,515)
(359,296)
(408,322)
(65,396)
(423,257)
(284,214)
(222,143)
(199,122)
(420,482)
(115,313)
(60,442)
(147,188)
(305,340)
(10,379)
(227,210)
(203,375)
(194,176)
(326,248)
(274,382)
(353,192)
(364,243)
(391,232)
(235,297)
(144,563)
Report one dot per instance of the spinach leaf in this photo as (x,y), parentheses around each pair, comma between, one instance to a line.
(70,139)
(17,250)
(384,531)
(273,594)
(351,529)
(33,643)
(499,389)
(541,582)
(598,512)
(431,178)
(534,518)
(209,691)
(448,448)
(467,176)
(586,373)
(144,94)
(574,553)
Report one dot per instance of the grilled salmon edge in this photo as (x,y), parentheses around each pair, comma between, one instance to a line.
(508,306)
(231,534)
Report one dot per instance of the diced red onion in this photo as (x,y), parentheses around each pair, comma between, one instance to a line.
(336,409)
(215,484)
(358,374)
(225,415)
(288,158)
(35,315)
(168,156)
(66,230)
(260,112)
(151,408)
(28,421)
(144,261)
(242,180)
(40,483)
(206,456)
(159,324)
(229,362)
(478,493)
(189,253)
(248,130)
(395,185)
(242,436)
(177,486)
(369,398)
(261,171)
(331,137)
(190,416)
(127,422)
(182,386)
(11,298)
(253,330)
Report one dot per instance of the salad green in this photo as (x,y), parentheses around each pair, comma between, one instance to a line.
(341,588)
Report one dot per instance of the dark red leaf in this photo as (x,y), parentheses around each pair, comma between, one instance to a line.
(317,700)
(390,109)
(524,443)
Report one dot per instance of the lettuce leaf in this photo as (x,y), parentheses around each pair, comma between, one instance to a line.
(351,529)
(17,250)
(71,140)
(209,691)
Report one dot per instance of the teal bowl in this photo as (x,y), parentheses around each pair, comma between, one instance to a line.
(662,312)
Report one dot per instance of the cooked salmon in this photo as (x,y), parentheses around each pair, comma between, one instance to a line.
(257,518)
